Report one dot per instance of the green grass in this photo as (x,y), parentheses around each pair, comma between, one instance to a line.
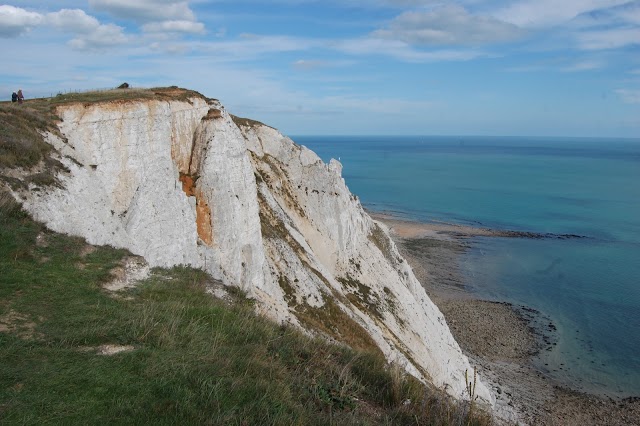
(197,359)
(247,122)
(21,143)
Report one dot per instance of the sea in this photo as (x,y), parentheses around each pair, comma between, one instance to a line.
(588,287)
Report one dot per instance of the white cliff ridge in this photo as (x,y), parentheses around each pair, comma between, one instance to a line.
(184,182)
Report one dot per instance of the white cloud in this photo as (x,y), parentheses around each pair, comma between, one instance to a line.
(412,2)
(448,25)
(249,46)
(15,21)
(608,39)
(171,48)
(72,20)
(583,66)
(543,13)
(630,96)
(631,13)
(102,37)
(401,50)
(147,10)
(376,105)
(174,27)
(616,16)
(309,64)
(313,64)
(90,33)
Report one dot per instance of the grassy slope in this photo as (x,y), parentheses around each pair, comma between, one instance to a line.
(197,360)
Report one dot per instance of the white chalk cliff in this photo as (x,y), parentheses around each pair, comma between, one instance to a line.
(184,182)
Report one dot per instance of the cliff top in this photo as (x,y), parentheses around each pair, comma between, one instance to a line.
(22,125)
(118,94)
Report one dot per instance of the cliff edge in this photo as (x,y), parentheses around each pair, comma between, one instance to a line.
(178,180)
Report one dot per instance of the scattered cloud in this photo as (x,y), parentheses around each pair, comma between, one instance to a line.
(72,20)
(376,104)
(630,12)
(609,38)
(545,13)
(157,16)
(401,50)
(146,10)
(583,66)
(313,64)
(629,96)
(307,65)
(412,2)
(15,21)
(171,48)
(249,46)
(103,36)
(587,62)
(294,69)
(624,14)
(448,25)
(525,68)
(90,34)
(174,27)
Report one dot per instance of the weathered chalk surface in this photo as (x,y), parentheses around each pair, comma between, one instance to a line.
(184,182)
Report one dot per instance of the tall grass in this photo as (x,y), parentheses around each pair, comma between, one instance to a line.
(21,142)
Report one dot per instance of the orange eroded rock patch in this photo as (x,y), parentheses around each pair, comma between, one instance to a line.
(188,184)
(203,211)
(203,220)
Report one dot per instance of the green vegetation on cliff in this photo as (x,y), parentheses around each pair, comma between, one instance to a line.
(193,359)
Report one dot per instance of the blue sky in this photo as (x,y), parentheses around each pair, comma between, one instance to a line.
(417,67)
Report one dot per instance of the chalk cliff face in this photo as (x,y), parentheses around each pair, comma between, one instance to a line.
(184,182)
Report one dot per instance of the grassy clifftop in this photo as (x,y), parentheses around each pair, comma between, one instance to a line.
(21,142)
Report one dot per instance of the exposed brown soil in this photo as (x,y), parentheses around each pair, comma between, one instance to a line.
(22,326)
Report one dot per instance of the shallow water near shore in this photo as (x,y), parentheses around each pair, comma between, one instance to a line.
(589,287)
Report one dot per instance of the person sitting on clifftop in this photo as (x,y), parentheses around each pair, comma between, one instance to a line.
(20,96)
(14,97)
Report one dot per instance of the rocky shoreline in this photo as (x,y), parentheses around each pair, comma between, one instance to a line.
(500,338)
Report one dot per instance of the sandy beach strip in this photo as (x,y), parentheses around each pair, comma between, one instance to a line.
(500,338)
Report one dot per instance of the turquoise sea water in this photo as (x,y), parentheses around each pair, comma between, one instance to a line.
(589,287)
